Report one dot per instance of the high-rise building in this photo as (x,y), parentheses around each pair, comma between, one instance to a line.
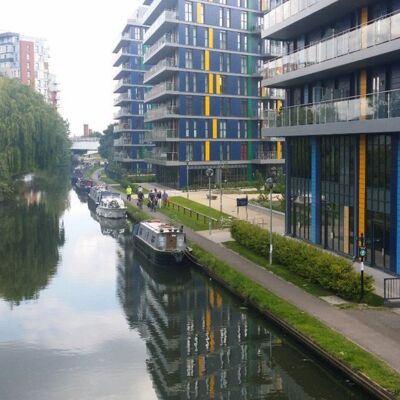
(341,74)
(130,144)
(204,103)
(27,59)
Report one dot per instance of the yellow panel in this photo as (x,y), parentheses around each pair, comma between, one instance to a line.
(218,300)
(363,94)
(364,32)
(200,366)
(210,83)
(218,84)
(206,60)
(198,13)
(211,387)
(211,298)
(346,231)
(207,318)
(278,150)
(210,38)
(207,105)
(214,128)
(207,151)
(212,341)
(361,186)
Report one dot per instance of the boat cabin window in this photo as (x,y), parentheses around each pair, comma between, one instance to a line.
(140,231)
(153,239)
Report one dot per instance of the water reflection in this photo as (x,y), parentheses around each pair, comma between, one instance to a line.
(30,237)
(202,345)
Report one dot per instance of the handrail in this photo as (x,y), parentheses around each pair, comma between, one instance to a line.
(271,67)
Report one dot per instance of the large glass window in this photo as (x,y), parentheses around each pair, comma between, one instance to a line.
(300,187)
(338,193)
(222,40)
(188,12)
(377,199)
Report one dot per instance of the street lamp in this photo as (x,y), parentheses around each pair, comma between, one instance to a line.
(187,178)
(220,187)
(270,184)
(209,173)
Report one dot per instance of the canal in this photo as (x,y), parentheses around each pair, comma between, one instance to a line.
(83,316)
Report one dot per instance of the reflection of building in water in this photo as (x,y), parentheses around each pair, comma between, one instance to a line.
(202,345)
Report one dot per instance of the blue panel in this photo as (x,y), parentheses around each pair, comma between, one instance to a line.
(314,190)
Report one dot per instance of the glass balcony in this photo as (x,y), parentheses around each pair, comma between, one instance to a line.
(160,89)
(169,39)
(155,69)
(266,155)
(285,11)
(123,98)
(122,85)
(123,157)
(160,112)
(122,113)
(161,155)
(161,135)
(166,16)
(373,106)
(122,142)
(379,31)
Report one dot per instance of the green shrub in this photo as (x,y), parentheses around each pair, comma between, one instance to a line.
(327,270)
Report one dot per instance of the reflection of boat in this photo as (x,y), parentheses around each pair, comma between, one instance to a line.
(110,227)
(162,243)
(76,174)
(111,207)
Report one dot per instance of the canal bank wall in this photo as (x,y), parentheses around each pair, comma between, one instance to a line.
(367,340)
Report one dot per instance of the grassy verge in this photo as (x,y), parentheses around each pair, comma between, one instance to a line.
(276,205)
(136,214)
(335,344)
(186,219)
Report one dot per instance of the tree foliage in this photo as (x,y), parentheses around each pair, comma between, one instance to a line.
(106,148)
(33,136)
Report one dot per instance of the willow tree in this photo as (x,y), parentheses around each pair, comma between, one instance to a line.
(33,136)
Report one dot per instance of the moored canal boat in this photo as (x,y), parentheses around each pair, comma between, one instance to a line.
(111,207)
(162,243)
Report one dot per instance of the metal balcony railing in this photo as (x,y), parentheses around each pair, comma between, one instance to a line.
(122,82)
(285,11)
(373,106)
(166,39)
(122,142)
(123,157)
(122,97)
(122,127)
(160,88)
(378,31)
(273,93)
(266,155)
(155,69)
(160,112)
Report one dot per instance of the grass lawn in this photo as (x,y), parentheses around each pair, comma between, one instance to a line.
(276,205)
(371,298)
(335,344)
(191,221)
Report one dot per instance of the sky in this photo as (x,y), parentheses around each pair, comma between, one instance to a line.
(81,35)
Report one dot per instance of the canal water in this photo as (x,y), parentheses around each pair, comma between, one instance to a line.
(83,316)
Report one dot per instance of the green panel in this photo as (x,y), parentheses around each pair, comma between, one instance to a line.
(141,152)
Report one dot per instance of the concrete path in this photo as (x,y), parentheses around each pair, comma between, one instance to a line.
(376,330)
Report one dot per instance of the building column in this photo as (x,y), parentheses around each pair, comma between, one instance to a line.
(395,207)
(288,191)
(314,191)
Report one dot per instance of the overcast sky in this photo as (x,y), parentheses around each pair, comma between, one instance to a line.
(82,35)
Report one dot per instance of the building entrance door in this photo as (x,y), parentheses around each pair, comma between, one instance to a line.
(379,242)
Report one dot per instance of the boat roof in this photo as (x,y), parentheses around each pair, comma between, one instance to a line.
(157,225)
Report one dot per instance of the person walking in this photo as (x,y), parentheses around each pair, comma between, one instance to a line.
(128,191)
(164,198)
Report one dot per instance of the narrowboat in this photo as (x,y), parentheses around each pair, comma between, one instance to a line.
(162,243)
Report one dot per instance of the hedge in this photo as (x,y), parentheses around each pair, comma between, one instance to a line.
(329,271)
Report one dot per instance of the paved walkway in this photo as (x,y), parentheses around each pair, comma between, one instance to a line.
(376,330)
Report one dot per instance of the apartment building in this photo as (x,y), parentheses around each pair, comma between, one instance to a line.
(131,130)
(341,74)
(27,59)
(204,102)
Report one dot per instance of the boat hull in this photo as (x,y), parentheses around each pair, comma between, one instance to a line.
(160,257)
(115,213)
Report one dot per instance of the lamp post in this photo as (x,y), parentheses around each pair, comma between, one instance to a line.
(362,253)
(270,184)
(187,178)
(209,173)
(220,188)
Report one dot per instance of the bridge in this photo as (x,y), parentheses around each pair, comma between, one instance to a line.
(81,144)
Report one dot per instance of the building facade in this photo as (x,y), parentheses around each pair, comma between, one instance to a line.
(341,74)
(131,130)
(27,59)
(204,104)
